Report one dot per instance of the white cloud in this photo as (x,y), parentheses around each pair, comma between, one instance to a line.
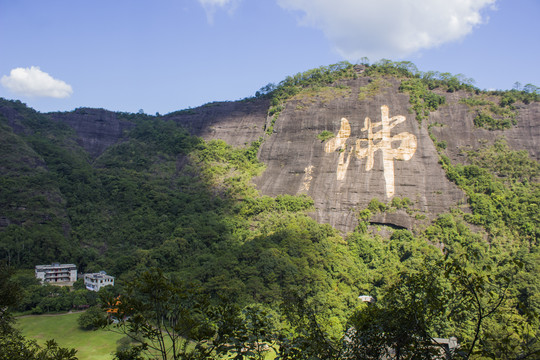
(33,82)
(389,28)
(211,6)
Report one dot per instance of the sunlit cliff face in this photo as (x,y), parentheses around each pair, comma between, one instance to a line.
(366,147)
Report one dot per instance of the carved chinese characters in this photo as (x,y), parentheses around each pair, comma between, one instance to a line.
(307,178)
(366,147)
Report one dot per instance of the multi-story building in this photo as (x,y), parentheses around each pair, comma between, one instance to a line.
(95,281)
(57,273)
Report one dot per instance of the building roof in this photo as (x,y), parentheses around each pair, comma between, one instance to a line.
(56,265)
(99,275)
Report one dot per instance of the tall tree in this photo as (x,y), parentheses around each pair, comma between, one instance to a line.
(13,346)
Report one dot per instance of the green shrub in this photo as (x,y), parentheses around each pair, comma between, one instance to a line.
(374,87)
(325,135)
(421,98)
(92,318)
(364,214)
(376,206)
(486,121)
(400,203)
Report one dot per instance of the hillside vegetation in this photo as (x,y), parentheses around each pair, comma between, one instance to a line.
(166,200)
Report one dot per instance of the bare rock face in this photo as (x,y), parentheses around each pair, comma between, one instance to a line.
(12,117)
(379,151)
(460,134)
(97,129)
(237,123)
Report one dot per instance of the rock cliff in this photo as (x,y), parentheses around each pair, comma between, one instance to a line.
(97,129)
(460,133)
(387,154)
(379,149)
(237,123)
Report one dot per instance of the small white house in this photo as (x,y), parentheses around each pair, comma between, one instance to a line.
(57,273)
(366,298)
(95,281)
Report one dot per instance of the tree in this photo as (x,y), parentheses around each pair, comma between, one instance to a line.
(466,294)
(91,318)
(531,89)
(304,337)
(176,321)
(13,345)
(403,323)
(480,289)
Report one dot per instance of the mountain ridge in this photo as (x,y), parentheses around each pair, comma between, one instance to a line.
(410,176)
(317,108)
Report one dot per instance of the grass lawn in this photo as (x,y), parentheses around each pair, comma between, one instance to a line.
(91,345)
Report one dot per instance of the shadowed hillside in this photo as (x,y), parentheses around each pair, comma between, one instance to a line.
(340,181)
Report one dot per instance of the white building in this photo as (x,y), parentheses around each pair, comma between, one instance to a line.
(366,298)
(95,281)
(57,273)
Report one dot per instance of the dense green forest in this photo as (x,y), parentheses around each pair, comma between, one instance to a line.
(170,208)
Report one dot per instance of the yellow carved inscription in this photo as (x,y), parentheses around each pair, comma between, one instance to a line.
(366,147)
(306,183)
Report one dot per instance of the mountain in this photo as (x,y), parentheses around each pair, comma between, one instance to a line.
(344,178)
(337,181)
(298,162)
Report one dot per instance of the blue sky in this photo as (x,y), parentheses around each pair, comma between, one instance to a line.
(167,55)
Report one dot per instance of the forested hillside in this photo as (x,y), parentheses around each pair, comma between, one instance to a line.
(455,254)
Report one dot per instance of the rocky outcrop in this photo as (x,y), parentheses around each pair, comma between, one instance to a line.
(13,118)
(383,154)
(379,151)
(237,123)
(96,129)
(460,134)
